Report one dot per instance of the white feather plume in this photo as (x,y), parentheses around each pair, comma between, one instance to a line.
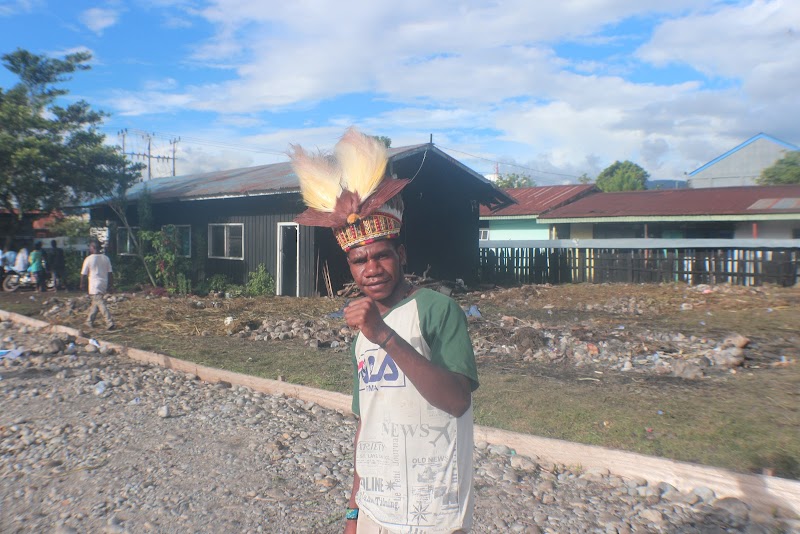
(362,160)
(320,178)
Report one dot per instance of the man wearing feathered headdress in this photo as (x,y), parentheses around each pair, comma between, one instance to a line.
(413,363)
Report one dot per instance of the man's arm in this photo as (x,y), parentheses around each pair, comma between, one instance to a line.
(444,389)
(351,525)
(84,278)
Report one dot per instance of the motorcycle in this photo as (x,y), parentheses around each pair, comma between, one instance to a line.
(14,280)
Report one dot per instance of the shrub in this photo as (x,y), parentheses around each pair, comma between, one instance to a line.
(73,262)
(218,282)
(260,282)
(184,285)
(129,273)
(234,290)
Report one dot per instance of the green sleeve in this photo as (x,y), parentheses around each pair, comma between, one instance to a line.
(444,327)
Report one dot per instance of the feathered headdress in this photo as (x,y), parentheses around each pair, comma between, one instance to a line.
(350,191)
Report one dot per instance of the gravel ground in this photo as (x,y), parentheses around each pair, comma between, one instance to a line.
(93,442)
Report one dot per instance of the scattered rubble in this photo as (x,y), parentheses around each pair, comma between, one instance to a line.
(561,331)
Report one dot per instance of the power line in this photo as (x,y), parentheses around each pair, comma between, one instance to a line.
(149,156)
(509,164)
(207,142)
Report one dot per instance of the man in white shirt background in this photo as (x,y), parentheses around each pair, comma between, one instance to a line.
(97,276)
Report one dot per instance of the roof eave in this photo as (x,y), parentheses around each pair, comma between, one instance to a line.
(674,218)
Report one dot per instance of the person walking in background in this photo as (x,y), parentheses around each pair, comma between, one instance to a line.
(96,275)
(56,264)
(36,267)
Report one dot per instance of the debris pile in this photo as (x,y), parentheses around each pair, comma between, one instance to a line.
(602,327)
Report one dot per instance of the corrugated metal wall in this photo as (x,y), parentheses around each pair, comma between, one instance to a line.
(258,215)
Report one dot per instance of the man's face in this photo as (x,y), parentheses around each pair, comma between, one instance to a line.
(377,268)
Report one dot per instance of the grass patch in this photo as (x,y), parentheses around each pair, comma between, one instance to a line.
(747,422)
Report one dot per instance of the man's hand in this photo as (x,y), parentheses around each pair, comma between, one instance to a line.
(364,315)
(350,526)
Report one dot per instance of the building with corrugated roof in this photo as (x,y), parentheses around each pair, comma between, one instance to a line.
(230,222)
(760,212)
(742,165)
(520,220)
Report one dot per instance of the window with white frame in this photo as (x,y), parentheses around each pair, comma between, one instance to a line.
(226,241)
(483,233)
(125,243)
(183,233)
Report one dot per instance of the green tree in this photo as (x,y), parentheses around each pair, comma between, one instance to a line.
(784,171)
(584,179)
(70,226)
(622,176)
(514,181)
(50,155)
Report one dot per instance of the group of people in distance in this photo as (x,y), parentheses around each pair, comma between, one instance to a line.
(39,262)
(96,273)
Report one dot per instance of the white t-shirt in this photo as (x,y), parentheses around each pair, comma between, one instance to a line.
(97,267)
(414,460)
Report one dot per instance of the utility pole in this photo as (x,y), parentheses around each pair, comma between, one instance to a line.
(174,143)
(148,155)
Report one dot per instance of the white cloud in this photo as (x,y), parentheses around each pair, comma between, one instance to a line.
(98,19)
(15,7)
(491,72)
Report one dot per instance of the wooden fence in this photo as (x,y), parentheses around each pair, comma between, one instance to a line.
(565,261)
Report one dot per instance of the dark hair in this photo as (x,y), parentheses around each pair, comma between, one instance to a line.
(53,243)
(38,245)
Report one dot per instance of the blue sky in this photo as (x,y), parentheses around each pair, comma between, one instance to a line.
(548,89)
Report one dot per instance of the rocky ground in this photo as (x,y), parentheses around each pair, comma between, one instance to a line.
(612,335)
(93,442)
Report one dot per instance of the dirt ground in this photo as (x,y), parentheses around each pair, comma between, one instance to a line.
(597,362)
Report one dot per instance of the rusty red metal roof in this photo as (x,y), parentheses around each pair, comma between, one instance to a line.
(536,200)
(746,200)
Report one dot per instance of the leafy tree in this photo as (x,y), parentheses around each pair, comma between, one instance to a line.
(622,176)
(584,179)
(50,155)
(163,255)
(514,181)
(784,171)
(71,226)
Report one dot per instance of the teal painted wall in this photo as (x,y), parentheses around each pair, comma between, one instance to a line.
(518,229)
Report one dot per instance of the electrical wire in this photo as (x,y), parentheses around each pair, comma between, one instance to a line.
(509,164)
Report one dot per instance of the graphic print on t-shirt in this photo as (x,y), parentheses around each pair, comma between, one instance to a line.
(377,370)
